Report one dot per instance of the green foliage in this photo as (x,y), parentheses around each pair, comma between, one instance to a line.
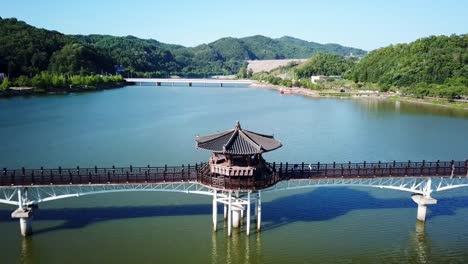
(430,60)
(5,84)
(433,66)
(452,88)
(78,58)
(26,50)
(242,74)
(22,81)
(324,64)
(46,81)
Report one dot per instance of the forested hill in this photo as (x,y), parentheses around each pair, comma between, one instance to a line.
(26,50)
(431,60)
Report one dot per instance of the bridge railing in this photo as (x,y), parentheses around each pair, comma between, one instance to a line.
(370,170)
(114,175)
(279,171)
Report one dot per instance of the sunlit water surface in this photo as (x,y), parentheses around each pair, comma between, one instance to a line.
(156,126)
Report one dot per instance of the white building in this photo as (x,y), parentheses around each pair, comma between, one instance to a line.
(321,78)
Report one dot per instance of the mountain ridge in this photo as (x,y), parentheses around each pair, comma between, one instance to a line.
(28,50)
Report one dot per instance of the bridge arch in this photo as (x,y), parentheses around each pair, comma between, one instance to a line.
(36,195)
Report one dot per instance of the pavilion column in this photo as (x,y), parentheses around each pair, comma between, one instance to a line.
(215,211)
(225,211)
(236,215)
(229,214)
(259,210)
(248,213)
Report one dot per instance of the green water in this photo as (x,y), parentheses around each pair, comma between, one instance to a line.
(148,125)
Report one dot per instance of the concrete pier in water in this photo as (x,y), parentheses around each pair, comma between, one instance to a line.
(423,202)
(25,219)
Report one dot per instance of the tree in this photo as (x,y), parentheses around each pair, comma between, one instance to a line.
(5,84)
(242,74)
(324,64)
(249,73)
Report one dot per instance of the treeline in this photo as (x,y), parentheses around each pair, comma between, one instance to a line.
(26,50)
(46,81)
(433,66)
(324,64)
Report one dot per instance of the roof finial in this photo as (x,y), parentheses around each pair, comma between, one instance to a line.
(238,125)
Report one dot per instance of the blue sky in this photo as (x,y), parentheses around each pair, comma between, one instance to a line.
(360,23)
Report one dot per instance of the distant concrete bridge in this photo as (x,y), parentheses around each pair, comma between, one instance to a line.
(189,82)
(26,188)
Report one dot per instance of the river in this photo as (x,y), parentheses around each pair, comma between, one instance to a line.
(141,125)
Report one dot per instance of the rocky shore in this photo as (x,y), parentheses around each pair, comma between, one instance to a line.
(459,104)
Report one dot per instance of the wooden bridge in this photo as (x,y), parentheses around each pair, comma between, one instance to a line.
(198,173)
(26,188)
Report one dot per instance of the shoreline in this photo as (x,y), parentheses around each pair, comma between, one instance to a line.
(373,95)
(30,91)
(461,105)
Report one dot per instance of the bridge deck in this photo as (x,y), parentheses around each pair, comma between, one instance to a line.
(202,81)
(281,171)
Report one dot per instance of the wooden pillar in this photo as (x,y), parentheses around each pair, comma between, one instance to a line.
(259,211)
(215,211)
(230,214)
(248,213)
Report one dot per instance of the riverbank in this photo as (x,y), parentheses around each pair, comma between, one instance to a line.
(458,104)
(31,91)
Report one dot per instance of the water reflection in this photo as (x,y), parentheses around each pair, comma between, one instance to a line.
(27,253)
(377,105)
(420,244)
(238,248)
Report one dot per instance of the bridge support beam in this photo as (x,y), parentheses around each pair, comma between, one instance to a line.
(158,83)
(423,202)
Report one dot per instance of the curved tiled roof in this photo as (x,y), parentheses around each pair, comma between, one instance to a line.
(238,141)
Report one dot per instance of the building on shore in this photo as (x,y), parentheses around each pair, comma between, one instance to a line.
(322,78)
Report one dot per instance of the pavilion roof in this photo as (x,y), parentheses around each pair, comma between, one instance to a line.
(238,141)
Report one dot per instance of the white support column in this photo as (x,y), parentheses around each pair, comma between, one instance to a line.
(20,198)
(229,214)
(26,226)
(259,211)
(225,211)
(242,214)
(423,202)
(23,213)
(248,213)
(236,216)
(256,207)
(215,211)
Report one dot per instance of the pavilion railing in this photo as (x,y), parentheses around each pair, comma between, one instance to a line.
(200,173)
